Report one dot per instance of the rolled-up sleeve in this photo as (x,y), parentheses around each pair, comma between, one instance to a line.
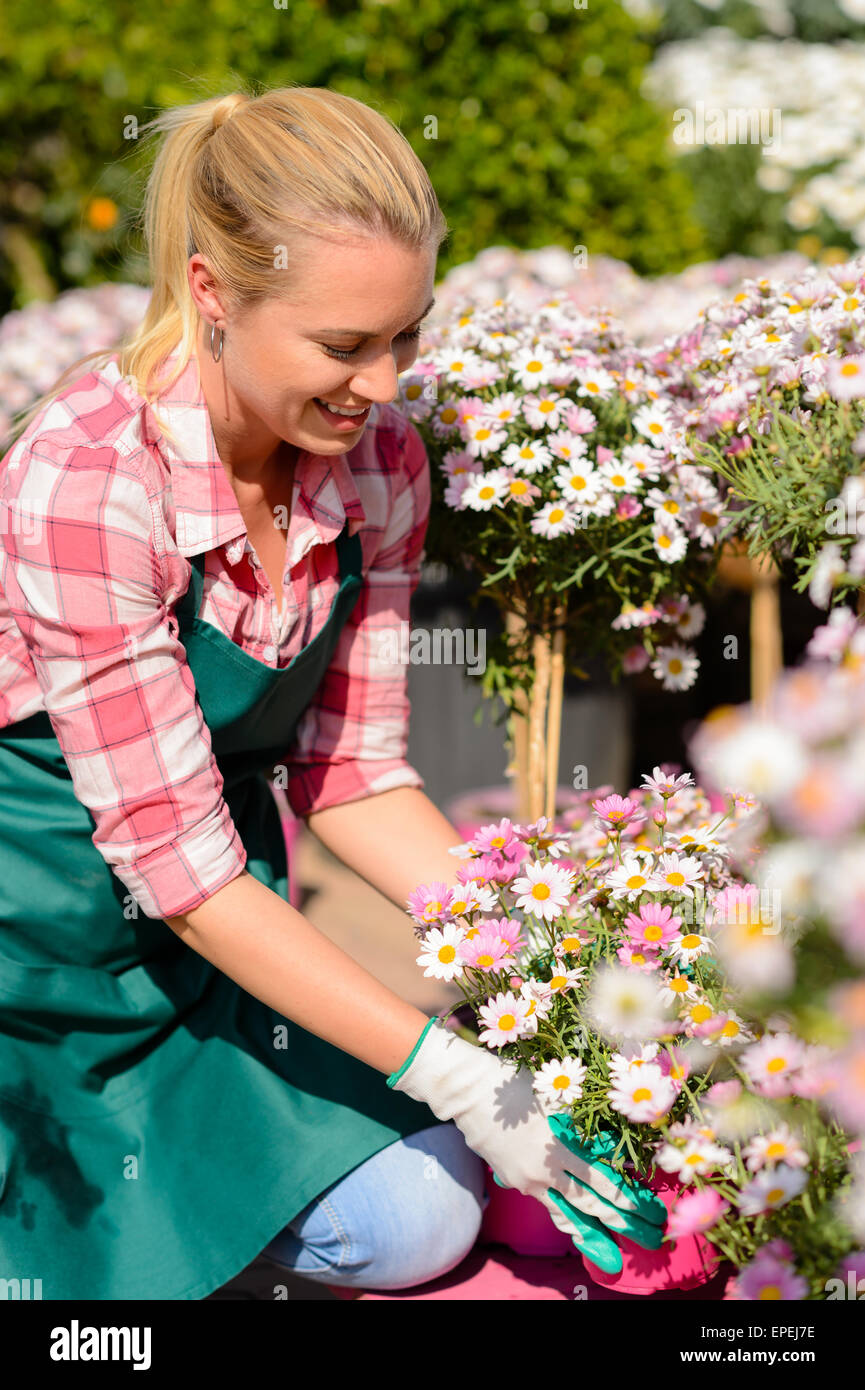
(85,587)
(352,740)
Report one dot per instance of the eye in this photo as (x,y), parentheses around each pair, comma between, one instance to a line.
(410,335)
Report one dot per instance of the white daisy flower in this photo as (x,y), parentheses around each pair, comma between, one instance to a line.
(779,1146)
(621,477)
(559,1083)
(624,1003)
(772,1188)
(689,946)
(527,456)
(675,873)
(440,954)
(676,667)
(579,481)
(631,878)
(484,492)
(533,367)
(645,1097)
(669,541)
(554,519)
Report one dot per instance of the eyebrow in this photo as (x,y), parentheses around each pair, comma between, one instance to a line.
(360,332)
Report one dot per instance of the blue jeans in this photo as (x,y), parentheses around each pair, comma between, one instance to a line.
(408,1214)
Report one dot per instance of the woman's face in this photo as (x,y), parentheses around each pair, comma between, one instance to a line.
(343,336)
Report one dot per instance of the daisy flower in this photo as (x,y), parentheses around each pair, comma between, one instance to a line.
(666,784)
(769,1278)
(595,382)
(578,482)
(771,1188)
(675,873)
(563,980)
(696,1157)
(771,1063)
(845,377)
(559,1083)
(676,989)
(654,927)
(636,959)
(504,1019)
(440,956)
(533,367)
(621,477)
(695,1212)
(481,437)
(554,519)
(618,810)
(543,410)
(539,999)
(688,946)
(731,1030)
(431,902)
(527,456)
(676,667)
(644,1098)
(630,879)
(497,839)
(669,541)
(486,951)
(653,421)
(780,1146)
(624,1003)
(484,492)
(544,890)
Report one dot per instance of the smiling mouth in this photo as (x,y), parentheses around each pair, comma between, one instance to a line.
(347,411)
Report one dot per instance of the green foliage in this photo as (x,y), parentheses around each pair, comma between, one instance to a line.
(540,133)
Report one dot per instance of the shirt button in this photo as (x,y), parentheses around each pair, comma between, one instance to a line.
(270,653)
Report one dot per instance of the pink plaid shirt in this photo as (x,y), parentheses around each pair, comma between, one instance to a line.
(100,512)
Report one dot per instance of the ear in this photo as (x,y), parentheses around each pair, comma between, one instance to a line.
(205,289)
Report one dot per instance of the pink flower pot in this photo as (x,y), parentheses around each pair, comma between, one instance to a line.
(524,1225)
(521,1223)
(684,1264)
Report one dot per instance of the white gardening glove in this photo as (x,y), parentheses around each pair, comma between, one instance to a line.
(538,1153)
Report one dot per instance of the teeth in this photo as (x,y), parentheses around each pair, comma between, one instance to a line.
(339,410)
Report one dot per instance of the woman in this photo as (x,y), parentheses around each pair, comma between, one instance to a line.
(171,1100)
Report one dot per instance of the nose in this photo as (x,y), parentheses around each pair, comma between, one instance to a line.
(378,380)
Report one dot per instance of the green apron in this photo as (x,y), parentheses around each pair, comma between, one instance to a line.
(159,1124)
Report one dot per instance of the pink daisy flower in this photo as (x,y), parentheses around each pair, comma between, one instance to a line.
(663,781)
(767,1277)
(497,839)
(635,659)
(430,902)
(618,810)
(696,1211)
(486,951)
(637,959)
(772,1062)
(654,927)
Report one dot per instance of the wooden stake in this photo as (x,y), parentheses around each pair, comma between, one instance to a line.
(554,712)
(537,724)
(518,767)
(767,657)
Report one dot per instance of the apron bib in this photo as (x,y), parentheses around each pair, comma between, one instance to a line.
(159,1124)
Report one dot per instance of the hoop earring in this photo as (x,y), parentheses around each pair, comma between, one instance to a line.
(216,355)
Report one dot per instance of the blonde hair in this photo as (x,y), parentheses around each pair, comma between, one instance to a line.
(239,178)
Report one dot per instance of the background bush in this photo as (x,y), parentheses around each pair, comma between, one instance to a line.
(543,136)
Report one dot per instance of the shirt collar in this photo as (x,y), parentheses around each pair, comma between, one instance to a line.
(206,510)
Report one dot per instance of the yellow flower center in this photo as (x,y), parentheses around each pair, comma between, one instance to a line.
(675,878)
(769,1291)
(482,433)
(635,881)
(653,933)
(776,1150)
(556,515)
(775,1194)
(534,366)
(675,666)
(679,985)
(561,1083)
(540,890)
(507,1022)
(690,941)
(776,1064)
(446,954)
(700,1013)
(664,542)
(730,1029)
(642,1093)
(850,369)
(519,486)
(486,492)
(618,480)
(558,981)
